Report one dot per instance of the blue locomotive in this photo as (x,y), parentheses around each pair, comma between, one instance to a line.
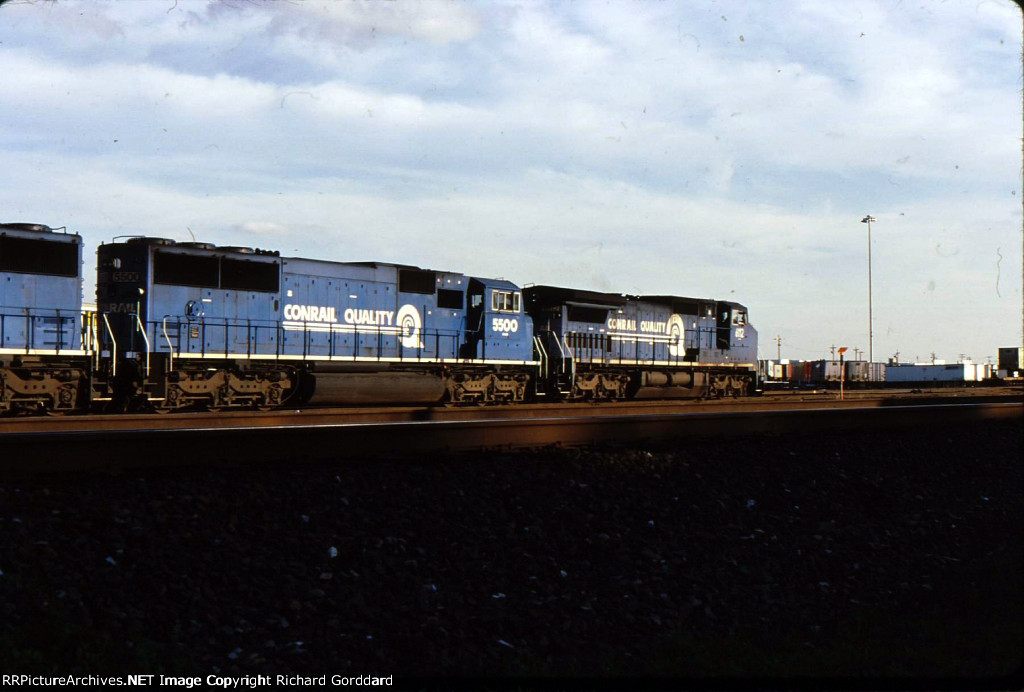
(44,364)
(190,324)
(184,325)
(612,346)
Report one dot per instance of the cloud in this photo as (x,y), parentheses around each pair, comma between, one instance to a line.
(263,228)
(617,146)
(433,21)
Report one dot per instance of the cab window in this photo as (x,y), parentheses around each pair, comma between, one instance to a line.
(505,301)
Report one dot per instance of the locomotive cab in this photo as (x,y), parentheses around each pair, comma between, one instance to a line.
(497,327)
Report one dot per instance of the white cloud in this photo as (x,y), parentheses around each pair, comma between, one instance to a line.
(263,228)
(433,21)
(618,146)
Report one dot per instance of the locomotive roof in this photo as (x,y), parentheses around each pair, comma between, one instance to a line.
(496,283)
(677,300)
(557,294)
(370,264)
(29,230)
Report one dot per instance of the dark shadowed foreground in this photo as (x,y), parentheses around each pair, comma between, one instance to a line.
(843,555)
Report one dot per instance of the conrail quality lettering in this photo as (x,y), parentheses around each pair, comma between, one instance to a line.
(321,313)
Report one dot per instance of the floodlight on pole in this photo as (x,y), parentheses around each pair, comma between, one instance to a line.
(869,220)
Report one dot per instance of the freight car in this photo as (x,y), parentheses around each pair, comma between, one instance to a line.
(182,325)
(938,375)
(833,373)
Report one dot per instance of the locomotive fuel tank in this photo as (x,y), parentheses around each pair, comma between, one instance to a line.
(366,388)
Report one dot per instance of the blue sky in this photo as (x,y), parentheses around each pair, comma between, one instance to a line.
(715,149)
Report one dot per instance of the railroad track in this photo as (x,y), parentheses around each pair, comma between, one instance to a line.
(86,443)
(796,400)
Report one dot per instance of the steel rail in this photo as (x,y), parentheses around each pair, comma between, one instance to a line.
(381,414)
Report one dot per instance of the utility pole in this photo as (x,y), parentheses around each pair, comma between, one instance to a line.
(833,350)
(868,219)
(778,341)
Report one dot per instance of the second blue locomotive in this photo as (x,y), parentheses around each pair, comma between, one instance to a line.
(611,346)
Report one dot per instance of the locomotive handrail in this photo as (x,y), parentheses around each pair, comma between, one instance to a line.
(333,346)
(543,355)
(94,341)
(170,348)
(113,352)
(145,337)
(479,331)
(571,359)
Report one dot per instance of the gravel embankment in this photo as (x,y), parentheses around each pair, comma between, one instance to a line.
(846,554)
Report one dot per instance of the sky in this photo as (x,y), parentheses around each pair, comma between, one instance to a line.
(723,150)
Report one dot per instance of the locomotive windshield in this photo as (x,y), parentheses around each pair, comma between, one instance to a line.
(505,301)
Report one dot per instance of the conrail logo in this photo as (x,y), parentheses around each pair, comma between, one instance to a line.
(411,323)
(676,331)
